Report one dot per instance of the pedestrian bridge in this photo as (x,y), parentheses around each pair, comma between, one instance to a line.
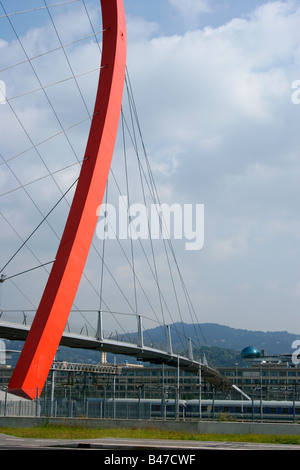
(16,331)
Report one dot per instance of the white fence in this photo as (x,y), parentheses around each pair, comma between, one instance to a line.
(11,405)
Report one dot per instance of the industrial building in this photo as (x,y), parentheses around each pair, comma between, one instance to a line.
(266,377)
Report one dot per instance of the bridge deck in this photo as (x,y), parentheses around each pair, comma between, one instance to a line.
(14,331)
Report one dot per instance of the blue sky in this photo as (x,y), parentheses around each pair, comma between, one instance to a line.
(178,17)
(213,87)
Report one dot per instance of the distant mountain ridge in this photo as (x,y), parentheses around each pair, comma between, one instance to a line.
(221,336)
(221,344)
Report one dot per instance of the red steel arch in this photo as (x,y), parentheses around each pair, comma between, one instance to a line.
(37,355)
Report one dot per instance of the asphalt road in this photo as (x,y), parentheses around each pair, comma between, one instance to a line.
(147,446)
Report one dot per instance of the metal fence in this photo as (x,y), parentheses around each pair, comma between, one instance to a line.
(147,409)
(76,409)
(19,408)
(95,408)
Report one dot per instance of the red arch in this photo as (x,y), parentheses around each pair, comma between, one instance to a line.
(46,331)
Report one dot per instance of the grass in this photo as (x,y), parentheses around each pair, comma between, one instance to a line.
(64,432)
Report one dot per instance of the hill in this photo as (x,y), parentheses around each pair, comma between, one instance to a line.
(213,334)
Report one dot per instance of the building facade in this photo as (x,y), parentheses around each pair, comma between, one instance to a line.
(265,381)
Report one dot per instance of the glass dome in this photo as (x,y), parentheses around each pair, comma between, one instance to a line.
(250,352)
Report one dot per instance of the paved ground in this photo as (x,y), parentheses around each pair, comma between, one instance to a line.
(170,447)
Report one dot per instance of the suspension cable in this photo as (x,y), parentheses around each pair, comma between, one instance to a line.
(37,8)
(37,227)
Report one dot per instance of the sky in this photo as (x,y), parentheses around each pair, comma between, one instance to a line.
(215,87)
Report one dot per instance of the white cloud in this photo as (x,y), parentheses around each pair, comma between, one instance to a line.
(219,128)
(223,96)
(208,86)
(224,250)
(190,9)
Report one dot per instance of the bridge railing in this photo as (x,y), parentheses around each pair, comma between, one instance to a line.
(20,317)
(120,346)
(91,326)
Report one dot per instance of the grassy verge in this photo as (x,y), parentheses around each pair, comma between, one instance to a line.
(64,432)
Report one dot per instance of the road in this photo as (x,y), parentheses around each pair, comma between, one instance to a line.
(147,446)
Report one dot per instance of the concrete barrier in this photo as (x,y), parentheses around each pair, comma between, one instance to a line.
(194,427)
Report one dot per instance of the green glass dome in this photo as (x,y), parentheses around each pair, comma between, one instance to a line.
(250,352)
